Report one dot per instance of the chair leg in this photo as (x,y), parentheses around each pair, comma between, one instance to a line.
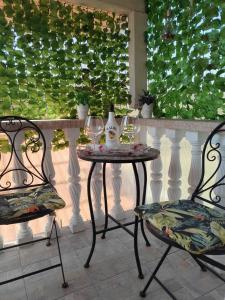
(64,284)
(207,267)
(165,288)
(215,273)
(144,235)
(136,253)
(143,292)
(143,202)
(48,243)
(201,265)
(214,263)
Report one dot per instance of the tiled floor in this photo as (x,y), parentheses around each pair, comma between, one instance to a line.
(111,276)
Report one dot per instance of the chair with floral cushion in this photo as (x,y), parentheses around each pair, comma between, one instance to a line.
(196,225)
(25,191)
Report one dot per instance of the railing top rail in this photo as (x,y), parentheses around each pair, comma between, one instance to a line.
(187,125)
(59,124)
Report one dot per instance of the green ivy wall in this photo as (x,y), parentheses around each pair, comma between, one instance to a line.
(48,50)
(187,72)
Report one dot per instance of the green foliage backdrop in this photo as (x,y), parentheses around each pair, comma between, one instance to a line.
(49,49)
(187,72)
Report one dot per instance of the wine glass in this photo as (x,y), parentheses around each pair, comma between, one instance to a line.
(94,127)
(130,126)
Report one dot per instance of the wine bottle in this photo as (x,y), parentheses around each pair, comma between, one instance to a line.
(112,130)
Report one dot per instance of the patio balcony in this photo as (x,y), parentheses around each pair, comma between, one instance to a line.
(113,273)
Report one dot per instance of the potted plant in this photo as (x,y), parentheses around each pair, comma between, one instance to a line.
(82,100)
(145,104)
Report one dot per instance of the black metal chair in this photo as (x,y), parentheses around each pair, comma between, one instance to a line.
(196,225)
(25,191)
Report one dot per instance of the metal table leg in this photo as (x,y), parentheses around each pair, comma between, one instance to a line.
(143,202)
(141,276)
(105,201)
(86,265)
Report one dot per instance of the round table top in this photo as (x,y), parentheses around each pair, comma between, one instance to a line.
(112,158)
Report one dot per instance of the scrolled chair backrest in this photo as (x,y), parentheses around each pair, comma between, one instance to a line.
(211,187)
(20,139)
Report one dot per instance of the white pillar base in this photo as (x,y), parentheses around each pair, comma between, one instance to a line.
(99,218)
(117,212)
(48,228)
(24,234)
(76,224)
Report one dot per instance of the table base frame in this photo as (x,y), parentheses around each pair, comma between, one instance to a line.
(119,224)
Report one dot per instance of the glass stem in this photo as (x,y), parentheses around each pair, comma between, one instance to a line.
(94,142)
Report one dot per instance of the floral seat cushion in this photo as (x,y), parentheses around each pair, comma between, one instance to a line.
(28,204)
(195,227)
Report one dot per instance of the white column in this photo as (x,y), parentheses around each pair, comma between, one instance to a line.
(76,222)
(96,187)
(24,233)
(196,140)
(50,173)
(137,54)
(117,209)
(156,165)
(174,173)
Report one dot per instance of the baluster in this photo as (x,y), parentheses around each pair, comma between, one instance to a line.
(50,173)
(196,139)
(24,233)
(156,165)
(76,222)
(117,209)
(174,182)
(96,187)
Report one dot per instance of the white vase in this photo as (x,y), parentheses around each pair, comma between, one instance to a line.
(82,111)
(146,111)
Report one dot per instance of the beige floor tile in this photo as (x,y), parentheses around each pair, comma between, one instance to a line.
(112,273)
(83,294)
(13,291)
(218,294)
(9,259)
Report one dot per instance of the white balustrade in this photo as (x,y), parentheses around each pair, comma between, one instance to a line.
(24,233)
(156,165)
(196,140)
(50,173)
(174,173)
(156,129)
(76,222)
